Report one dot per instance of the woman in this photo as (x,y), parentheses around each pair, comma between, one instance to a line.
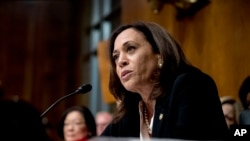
(161,95)
(77,124)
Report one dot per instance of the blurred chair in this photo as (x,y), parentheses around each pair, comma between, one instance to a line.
(245,117)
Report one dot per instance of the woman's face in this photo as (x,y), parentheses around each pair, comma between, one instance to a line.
(135,61)
(74,126)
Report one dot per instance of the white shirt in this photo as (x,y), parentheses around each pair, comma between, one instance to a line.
(143,129)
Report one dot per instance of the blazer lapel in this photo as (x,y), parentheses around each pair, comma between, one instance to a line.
(161,116)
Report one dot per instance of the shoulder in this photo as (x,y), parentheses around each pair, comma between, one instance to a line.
(194,77)
(194,85)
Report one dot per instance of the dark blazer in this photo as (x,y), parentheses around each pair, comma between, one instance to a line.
(190,110)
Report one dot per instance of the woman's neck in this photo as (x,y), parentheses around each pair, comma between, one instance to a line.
(150,106)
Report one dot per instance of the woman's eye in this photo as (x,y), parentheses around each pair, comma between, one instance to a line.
(130,48)
(78,123)
(115,57)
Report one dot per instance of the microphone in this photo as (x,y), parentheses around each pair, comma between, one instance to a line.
(80,90)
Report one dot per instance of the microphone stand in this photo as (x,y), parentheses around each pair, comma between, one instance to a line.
(82,89)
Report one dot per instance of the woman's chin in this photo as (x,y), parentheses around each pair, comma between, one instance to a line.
(130,87)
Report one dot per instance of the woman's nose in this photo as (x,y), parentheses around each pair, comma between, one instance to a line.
(123,61)
(70,127)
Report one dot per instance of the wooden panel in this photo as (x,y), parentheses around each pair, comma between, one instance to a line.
(216,39)
(104,70)
(40,53)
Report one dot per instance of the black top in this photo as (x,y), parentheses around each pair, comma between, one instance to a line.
(191,110)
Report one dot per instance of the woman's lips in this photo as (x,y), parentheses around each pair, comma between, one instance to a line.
(125,75)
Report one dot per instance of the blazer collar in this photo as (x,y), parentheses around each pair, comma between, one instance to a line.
(160,116)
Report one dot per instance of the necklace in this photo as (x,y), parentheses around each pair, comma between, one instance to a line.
(146,120)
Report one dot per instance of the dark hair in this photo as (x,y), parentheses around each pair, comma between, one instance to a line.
(227,100)
(20,120)
(163,44)
(244,90)
(86,113)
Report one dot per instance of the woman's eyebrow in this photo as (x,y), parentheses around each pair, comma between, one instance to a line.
(123,45)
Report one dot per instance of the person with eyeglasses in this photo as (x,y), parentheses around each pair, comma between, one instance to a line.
(77,124)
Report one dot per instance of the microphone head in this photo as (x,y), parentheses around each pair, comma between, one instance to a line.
(83,89)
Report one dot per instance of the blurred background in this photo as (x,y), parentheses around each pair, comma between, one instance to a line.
(48,48)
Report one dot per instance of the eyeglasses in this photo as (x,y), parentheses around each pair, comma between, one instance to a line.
(79,123)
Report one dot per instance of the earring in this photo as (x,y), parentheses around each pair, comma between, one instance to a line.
(160,62)
(160,65)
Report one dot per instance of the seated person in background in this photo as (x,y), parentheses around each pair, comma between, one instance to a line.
(102,119)
(244,93)
(77,124)
(20,121)
(231,110)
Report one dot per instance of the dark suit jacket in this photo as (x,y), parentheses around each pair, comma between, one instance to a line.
(191,110)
